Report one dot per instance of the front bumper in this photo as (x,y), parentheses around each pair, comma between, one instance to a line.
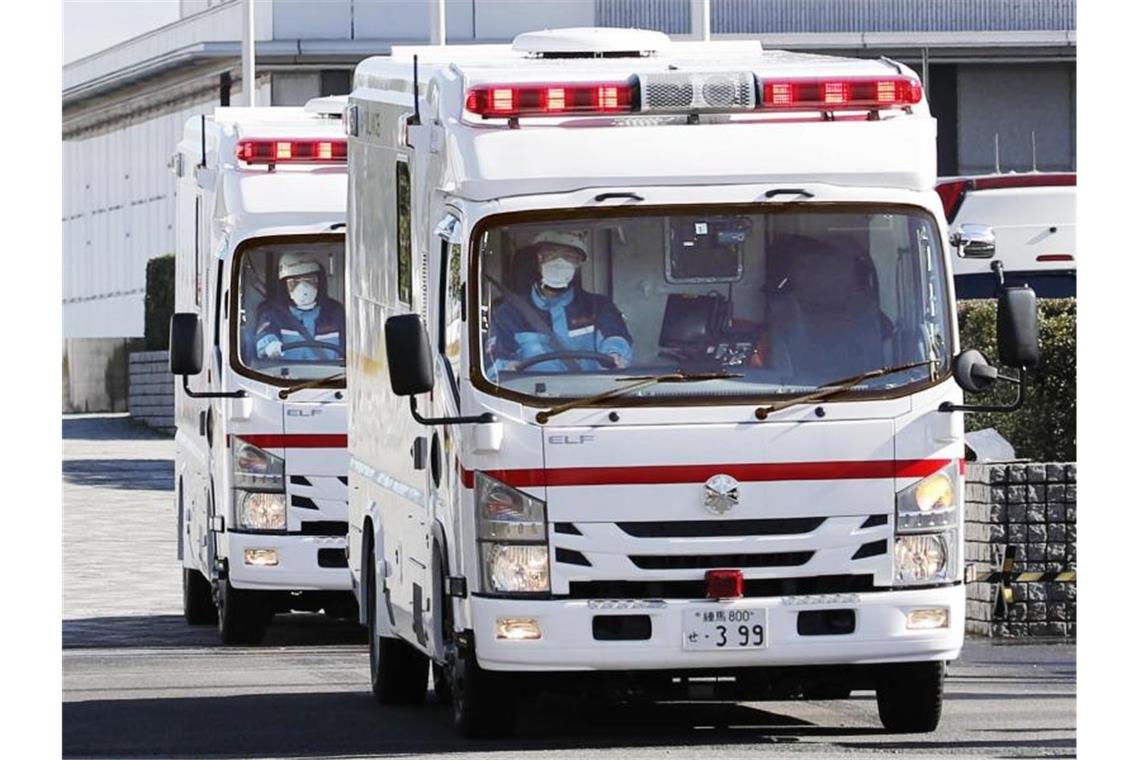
(297,569)
(568,643)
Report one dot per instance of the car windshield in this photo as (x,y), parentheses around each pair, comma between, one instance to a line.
(779,302)
(289,300)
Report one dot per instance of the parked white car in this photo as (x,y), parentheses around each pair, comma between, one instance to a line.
(1033,218)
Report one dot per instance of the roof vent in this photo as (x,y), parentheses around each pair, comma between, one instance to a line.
(591,42)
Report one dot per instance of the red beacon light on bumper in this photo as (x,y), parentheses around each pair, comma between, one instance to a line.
(724,584)
(271,151)
(841,94)
(510,101)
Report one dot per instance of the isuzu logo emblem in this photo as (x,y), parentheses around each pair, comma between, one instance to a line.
(722,493)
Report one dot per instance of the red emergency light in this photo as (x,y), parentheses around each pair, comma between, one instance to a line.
(832,94)
(291,151)
(724,584)
(503,101)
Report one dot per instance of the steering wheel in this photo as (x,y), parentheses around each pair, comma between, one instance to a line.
(606,360)
(310,344)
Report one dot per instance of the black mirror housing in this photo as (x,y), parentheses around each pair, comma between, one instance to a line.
(185,344)
(973,372)
(1018,342)
(410,368)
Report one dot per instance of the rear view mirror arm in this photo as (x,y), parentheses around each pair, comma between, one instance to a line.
(946,406)
(208,394)
(477,419)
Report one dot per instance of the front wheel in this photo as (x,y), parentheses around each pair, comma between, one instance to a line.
(241,616)
(910,696)
(197,600)
(482,704)
(398,670)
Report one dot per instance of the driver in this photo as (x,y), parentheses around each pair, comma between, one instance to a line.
(558,316)
(307,316)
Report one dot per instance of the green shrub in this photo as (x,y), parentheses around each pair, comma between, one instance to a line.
(159,302)
(1045,428)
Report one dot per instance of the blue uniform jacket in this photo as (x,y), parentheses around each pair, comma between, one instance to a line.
(325,322)
(582,321)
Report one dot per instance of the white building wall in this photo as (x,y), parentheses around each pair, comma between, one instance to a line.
(118,214)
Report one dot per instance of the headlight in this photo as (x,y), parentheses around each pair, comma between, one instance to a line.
(506,514)
(258,510)
(925,558)
(516,568)
(257,468)
(929,504)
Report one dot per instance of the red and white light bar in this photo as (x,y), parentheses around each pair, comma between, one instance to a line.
(550,99)
(291,151)
(831,94)
(629,96)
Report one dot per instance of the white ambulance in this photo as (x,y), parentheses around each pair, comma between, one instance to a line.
(258,338)
(652,360)
(1032,217)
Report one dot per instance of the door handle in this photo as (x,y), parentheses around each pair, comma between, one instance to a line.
(419,452)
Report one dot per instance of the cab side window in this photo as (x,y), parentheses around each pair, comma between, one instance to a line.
(404,232)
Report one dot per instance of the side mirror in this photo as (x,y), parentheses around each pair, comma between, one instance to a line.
(974,241)
(410,367)
(185,344)
(1018,343)
(973,372)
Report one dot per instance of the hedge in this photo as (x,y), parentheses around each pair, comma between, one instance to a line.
(1045,428)
(159,302)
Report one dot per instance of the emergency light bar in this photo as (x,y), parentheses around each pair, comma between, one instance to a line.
(692,92)
(834,94)
(270,151)
(514,100)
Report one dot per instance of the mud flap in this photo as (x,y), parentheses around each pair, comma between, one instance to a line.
(418,614)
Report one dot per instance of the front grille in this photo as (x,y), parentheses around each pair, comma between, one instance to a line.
(303,502)
(570,557)
(699,561)
(757,587)
(324,528)
(872,549)
(713,528)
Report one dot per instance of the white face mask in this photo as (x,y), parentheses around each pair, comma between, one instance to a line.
(557,273)
(304,295)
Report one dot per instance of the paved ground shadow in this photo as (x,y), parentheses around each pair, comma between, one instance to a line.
(122,474)
(152,631)
(110,427)
(351,723)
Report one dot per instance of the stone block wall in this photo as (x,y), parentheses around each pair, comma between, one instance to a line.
(151,398)
(1033,507)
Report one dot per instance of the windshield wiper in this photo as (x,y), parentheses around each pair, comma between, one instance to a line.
(834,388)
(639,382)
(287,392)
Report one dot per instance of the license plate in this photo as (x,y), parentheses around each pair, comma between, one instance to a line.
(724,629)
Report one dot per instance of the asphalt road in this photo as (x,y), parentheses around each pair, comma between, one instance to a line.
(137,681)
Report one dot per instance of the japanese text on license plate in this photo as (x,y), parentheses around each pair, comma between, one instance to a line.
(724,629)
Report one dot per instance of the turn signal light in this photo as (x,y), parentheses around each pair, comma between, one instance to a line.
(724,584)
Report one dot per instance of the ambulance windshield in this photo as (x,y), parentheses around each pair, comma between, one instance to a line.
(289,302)
(778,302)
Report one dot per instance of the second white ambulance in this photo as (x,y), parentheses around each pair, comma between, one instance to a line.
(258,344)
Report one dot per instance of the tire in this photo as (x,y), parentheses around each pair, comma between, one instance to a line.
(197,599)
(398,670)
(241,616)
(441,683)
(482,704)
(910,696)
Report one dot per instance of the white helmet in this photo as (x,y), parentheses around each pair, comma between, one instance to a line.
(293,264)
(566,239)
